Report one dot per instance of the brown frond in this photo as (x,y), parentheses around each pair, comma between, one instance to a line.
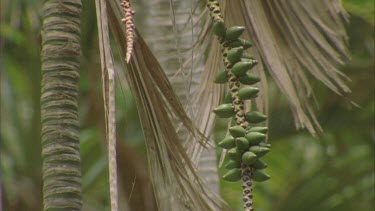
(108,80)
(176,183)
(182,39)
(129,25)
(297,40)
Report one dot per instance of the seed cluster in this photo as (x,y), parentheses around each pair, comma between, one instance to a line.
(130,27)
(246,142)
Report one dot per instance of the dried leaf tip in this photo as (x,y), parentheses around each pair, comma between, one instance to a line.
(129,25)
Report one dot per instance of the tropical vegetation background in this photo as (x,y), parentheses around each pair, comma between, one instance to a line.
(332,172)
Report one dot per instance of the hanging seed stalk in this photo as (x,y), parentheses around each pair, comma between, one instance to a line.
(246,142)
(128,14)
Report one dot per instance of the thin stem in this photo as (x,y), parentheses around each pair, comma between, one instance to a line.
(247,187)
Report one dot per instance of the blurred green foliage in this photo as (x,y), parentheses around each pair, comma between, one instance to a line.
(332,172)
(362,8)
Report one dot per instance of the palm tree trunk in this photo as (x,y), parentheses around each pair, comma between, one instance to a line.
(59,112)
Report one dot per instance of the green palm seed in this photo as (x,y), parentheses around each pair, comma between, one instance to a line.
(263,130)
(248,158)
(234,154)
(255,117)
(234,32)
(233,175)
(224,110)
(228,98)
(221,77)
(235,43)
(240,42)
(247,56)
(260,176)
(245,44)
(242,143)
(255,137)
(234,54)
(249,79)
(240,68)
(259,150)
(219,29)
(265,145)
(227,143)
(232,164)
(237,131)
(259,164)
(248,92)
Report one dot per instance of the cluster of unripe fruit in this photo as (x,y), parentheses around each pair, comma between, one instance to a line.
(245,145)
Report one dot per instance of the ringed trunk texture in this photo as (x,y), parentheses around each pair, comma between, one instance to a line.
(59,108)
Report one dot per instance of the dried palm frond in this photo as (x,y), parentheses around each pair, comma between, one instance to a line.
(181,40)
(177,186)
(108,80)
(295,37)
